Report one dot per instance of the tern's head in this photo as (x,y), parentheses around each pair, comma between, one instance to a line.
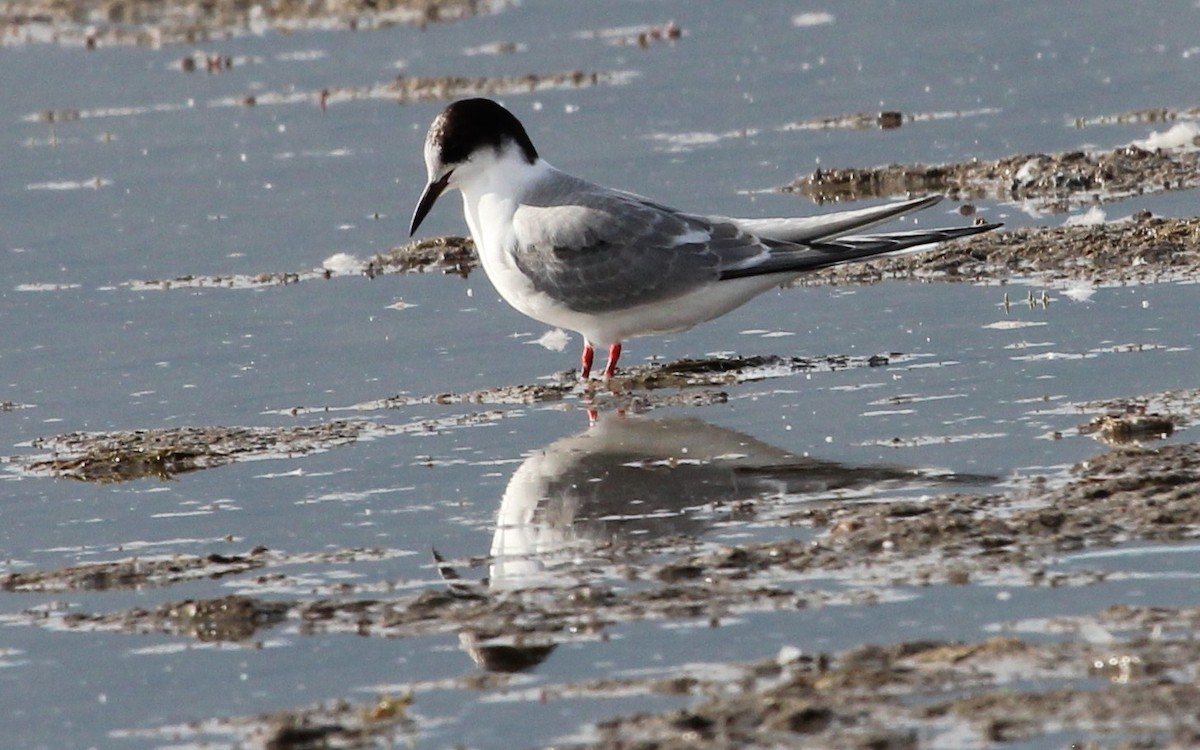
(464,141)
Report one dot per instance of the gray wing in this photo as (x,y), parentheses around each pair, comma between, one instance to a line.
(596,250)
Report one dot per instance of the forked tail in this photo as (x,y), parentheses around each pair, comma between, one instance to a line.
(813,255)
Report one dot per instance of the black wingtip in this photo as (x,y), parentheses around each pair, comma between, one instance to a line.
(814,255)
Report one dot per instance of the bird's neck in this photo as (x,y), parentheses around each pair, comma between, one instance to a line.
(492,195)
(506,179)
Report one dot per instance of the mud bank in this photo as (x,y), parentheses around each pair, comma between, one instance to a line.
(96,23)
(401,90)
(165,453)
(1142,251)
(1136,491)
(1131,679)
(1050,182)
(903,695)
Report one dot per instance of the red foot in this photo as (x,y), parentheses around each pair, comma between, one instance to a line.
(585,369)
(614,353)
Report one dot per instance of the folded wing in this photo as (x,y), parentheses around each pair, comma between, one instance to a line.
(596,250)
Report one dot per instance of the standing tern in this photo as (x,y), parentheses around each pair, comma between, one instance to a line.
(612,265)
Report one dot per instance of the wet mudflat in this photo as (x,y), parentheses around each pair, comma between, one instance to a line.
(277,478)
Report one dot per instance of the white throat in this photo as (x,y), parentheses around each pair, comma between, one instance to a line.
(492,190)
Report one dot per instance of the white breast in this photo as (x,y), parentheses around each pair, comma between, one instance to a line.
(489,203)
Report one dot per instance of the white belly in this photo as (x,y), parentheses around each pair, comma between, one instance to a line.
(514,287)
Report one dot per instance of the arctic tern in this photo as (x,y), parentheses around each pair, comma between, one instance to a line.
(613,265)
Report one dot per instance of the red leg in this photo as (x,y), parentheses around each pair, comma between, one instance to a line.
(586,360)
(614,353)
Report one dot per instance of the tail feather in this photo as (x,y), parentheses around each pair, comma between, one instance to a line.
(808,229)
(814,255)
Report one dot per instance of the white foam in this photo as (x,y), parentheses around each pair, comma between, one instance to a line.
(1089,218)
(1184,135)
(555,340)
(342,263)
(812,18)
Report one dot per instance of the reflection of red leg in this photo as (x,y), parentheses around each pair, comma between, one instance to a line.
(586,360)
(614,353)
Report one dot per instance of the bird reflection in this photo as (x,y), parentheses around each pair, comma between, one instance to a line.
(627,479)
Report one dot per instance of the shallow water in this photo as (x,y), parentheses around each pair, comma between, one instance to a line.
(166,173)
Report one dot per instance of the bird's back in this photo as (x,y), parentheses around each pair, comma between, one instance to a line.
(596,249)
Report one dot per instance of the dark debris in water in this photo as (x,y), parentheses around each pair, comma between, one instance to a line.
(594,395)
(1130,427)
(230,619)
(158,571)
(857,121)
(383,722)
(1054,181)
(408,89)
(641,36)
(868,696)
(451,255)
(1125,494)
(1143,251)
(638,388)
(888,696)
(134,573)
(1152,115)
(167,452)
(725,370)
(100,23)
(402,90)
(1141,419)
(164,453)
(873,695)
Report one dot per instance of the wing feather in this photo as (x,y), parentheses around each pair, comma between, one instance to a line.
(596,250)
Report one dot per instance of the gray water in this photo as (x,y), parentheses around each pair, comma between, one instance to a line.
(164,174)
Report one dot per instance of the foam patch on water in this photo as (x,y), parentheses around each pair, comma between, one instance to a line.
(1010,325)
(1079,291)
(1182,135)
(93,183)
(1093,216)
(813,18)
(342,264)
(45,287)
(555,340)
